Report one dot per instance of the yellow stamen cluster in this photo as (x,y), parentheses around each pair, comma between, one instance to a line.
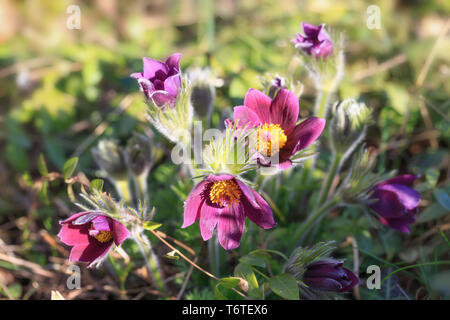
(224,193)
(104,236)
(270,136)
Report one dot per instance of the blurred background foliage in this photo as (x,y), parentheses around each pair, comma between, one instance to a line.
(61,90)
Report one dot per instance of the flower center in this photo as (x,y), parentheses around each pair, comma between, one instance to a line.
(104,236)
(270,136)
(224,193)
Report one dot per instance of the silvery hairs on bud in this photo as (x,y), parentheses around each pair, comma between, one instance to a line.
(110,158)
(204,83)
(138,153)
(348,126)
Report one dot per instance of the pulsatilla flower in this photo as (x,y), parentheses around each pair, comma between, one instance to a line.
(395,203)
(161,81)
(315,41)
(224,201)
(278,137)
(329,275)
(91,235)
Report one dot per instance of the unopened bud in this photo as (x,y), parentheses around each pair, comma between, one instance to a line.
(139,154)
(109,157)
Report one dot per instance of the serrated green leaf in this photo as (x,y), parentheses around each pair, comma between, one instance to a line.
(285,285)
(69,167)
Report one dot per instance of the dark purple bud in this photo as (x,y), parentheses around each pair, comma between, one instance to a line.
(315,41)
(329,275)
(395,203)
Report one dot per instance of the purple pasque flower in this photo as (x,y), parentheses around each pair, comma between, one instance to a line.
(278,137)
(91,235)
(315,41)
(395,203)
(329,275)
(224,201)
(161,81)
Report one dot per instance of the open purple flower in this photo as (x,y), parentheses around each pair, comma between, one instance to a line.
(278,136)
(224,201)
(396,204)
(92,235)
(315,41)
(161,81)
(329,275)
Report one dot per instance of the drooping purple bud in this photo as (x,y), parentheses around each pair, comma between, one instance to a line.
(329,275)
(315,41)
(395,203)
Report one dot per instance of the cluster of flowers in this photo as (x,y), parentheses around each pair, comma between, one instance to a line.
(223,199)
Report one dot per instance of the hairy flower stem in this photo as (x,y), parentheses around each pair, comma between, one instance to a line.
(322,102)
(123,189)
(334,168)
(214,254)
(141,188)
(304,229)
(150,258)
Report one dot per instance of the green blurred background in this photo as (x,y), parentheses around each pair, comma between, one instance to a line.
(61,90)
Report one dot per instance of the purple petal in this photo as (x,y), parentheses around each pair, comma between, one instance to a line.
(120,232)
(259,103)
(154,68)
(262,217)
(209,218)
(74,235)
(248,193)
(90,253)
(353,280)
(327,284)
(244,116)
(410,198)
(387,204)
(173,85)
(311,30)
(230,226)
(173,62)
(193,204)
(284,110)
(162,98)
(305,133)
(102,223)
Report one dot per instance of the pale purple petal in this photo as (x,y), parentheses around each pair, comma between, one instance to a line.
(244,116)
(173,62)
(209,217)
(410,198)
(154,69)
(193,204)
(173,85)
(284,110)
(230,226)
(259,103)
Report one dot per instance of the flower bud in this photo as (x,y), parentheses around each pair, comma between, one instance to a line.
(109,157)
(348,125)
(395,203)
(139,154)
(273,83)
(315,41)
(203,95)
(329,275)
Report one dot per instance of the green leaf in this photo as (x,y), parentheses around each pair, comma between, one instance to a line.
(442,197)
(69,167)
(96,184)
(42,166)
(285,285)
(229,282)
(151,225)
(245,271)
(433,212)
